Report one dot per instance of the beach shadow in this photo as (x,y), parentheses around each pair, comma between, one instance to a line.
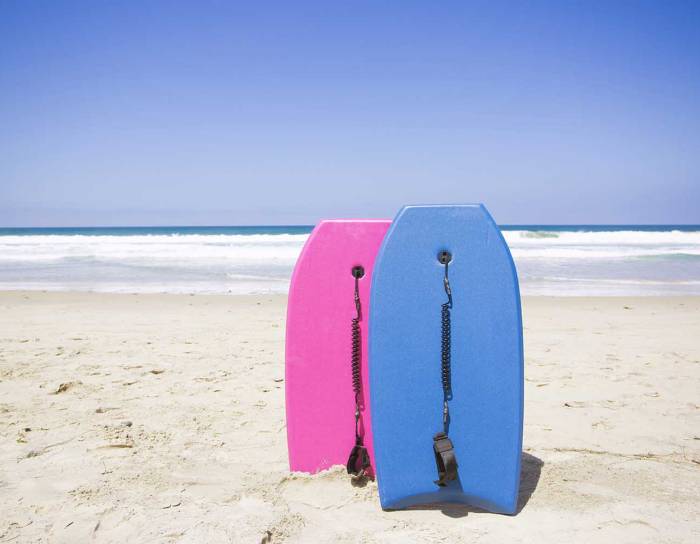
(530,471)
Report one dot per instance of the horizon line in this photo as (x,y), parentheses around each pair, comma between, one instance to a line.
(311,225)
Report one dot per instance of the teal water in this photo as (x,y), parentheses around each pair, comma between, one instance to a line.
(305,229)
(163,231)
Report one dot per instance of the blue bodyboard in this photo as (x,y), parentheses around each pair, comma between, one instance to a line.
(486,410)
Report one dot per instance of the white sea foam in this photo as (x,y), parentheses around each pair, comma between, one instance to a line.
(568,247)
(548,262)
(203,263)
(188,250)
(607,238)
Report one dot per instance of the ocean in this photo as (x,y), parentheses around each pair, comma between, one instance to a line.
(569,260)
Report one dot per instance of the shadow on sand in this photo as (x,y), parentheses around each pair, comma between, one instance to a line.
(530,470)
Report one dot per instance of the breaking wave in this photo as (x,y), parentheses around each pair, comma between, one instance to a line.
(556,262)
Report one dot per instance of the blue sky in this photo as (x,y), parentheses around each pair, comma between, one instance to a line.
(152,113)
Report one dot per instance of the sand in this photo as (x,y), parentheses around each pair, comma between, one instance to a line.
(160,418)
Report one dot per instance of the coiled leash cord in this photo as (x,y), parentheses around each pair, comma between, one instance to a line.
(358,462)
(445,458)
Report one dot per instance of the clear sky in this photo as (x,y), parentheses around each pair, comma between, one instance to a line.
(202,112)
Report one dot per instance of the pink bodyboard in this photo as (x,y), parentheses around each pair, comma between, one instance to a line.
(318,373)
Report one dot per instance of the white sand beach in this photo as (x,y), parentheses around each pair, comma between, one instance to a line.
(160,418)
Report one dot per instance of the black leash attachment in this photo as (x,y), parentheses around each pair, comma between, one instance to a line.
(445,458)
(358,462)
